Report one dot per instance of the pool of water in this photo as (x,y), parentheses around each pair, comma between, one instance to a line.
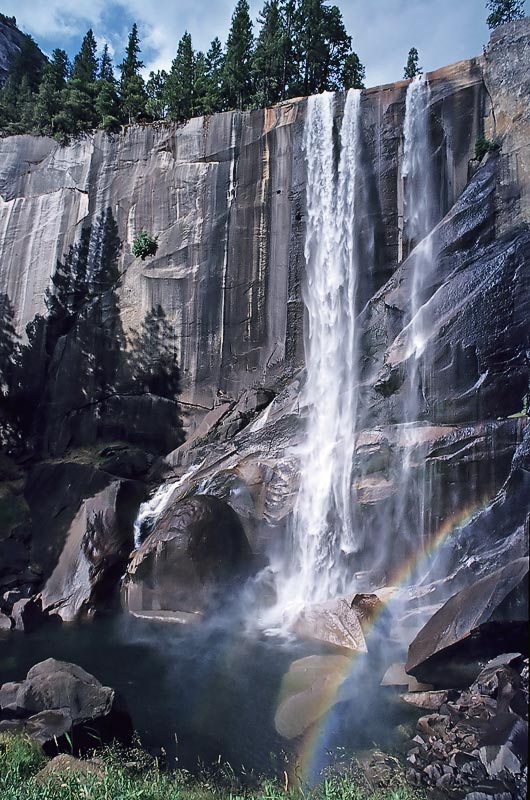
(205,694)
(199,693)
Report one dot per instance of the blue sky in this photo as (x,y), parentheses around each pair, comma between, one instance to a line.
(382,30)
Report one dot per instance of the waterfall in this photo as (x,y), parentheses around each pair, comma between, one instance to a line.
(323,530)
(419,219)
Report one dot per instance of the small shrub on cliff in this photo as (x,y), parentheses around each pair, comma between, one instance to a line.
(483,146)
(144,245)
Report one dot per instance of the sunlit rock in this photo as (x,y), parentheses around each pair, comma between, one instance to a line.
(335,623)
(308,691)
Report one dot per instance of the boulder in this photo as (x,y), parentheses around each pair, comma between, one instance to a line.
(5,622)
(95,551)
(65,765)
(28,614)
(335,623)
(58,698)
(308,690)
(196,553)
(476,624)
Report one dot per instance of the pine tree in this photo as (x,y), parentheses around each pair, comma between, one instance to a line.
(49,99)
(179,84)
(156,94)
(268,57)
(107,103)
(214,99)
(132,87)
(503,11)
(237,73)
(200,85)
(321,48)
(80,95)
(353,73)
(412,67)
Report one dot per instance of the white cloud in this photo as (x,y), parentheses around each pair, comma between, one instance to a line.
(383,30)
(55,18)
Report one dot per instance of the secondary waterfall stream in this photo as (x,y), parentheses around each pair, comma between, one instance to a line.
(419,219)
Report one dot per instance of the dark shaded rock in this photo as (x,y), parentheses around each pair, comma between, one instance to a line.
(28,614)
(54,492)
(478,623)
(197,550)
(125,462)
(58,698)
(97,545)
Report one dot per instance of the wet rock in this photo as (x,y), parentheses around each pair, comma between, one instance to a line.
(196,552)
(334,623)
(477,623)
(97,545)
(59,698)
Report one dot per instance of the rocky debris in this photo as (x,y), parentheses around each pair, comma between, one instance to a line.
(474,744)
(476,624)
(197,550)
(335,623)
(59,701)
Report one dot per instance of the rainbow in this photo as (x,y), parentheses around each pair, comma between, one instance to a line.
(313,742)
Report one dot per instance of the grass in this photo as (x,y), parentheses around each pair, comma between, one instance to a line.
(119,779)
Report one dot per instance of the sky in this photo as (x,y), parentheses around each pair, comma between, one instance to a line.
(383,31)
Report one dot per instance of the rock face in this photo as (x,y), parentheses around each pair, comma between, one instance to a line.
(196,552)
(485,619)
(226,196)
(59,698)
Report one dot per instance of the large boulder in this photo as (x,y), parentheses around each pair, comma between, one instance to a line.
(60,701)
(197,552)
(97,545)
(478,623)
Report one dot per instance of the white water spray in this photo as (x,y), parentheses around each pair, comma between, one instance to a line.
(420,218)
(323,529)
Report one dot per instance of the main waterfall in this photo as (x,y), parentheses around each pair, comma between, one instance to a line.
(323,529)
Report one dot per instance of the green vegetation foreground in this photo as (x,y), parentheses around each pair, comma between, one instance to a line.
(114,777)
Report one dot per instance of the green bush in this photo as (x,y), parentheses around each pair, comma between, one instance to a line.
(144,245)
(483,146)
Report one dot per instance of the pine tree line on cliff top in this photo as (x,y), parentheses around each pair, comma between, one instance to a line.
(301,47)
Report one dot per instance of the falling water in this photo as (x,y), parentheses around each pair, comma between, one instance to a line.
(323,532)
(419,219)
